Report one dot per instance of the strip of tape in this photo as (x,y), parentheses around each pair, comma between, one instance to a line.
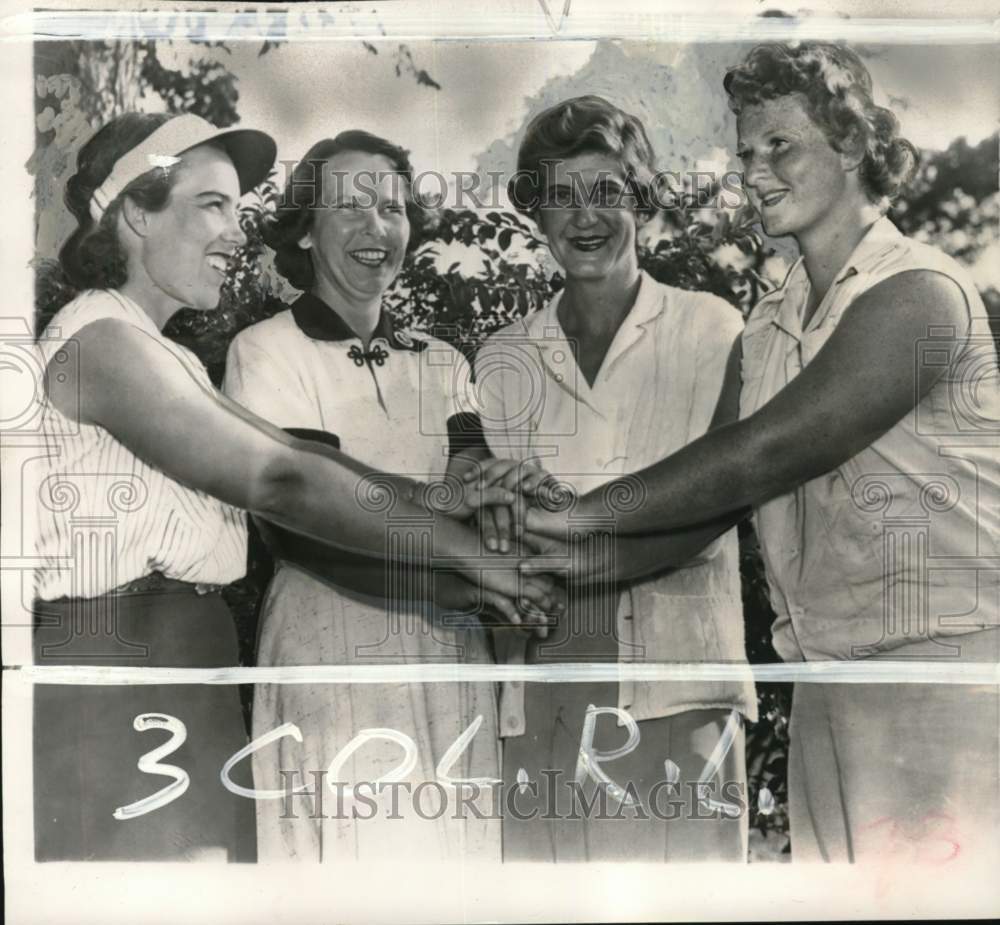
(466,21)
(836,672)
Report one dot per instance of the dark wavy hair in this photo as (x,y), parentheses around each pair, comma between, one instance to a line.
(837,89)
(304,193)
(92,257)
(582,125)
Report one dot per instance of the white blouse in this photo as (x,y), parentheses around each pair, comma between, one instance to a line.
(106,517)
(656,391)
(390,407)
(900,543)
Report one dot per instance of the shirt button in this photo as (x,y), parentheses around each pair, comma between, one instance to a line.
(511,722)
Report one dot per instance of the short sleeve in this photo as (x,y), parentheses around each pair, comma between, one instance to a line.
(267,382)
(459,386)
(456,387)
(491,376)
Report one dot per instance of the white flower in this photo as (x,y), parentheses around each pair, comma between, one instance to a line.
(469,259)
(732,258)
(957,240)
(965,201)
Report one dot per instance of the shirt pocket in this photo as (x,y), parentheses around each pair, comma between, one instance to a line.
(853,557)
(686,627)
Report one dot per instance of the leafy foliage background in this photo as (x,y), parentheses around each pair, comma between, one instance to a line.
(475,272)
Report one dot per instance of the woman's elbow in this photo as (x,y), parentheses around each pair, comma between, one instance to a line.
(780,458)
(276,486)
(770,461)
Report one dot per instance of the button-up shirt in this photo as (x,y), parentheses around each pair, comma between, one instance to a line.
(391,406)
(656,391)
(901,542)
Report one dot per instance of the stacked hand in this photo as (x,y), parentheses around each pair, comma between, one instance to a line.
(495,584)
(537,519)
(523,484)
(492,495)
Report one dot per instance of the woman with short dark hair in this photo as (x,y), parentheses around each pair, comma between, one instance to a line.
(869,409)
(335,367)
(307,189)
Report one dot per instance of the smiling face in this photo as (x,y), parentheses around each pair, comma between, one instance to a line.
(360,231)
(794,177)
(187,245)
(588,215)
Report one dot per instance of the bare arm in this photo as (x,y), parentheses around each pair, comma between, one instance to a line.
(140,392)
(861,383)
(369,576)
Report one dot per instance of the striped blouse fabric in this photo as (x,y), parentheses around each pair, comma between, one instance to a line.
(104,516)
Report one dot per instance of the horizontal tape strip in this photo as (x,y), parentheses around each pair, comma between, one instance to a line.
(835,672)
(411,22)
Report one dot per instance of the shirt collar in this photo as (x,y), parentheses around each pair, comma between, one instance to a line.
(546,333)
(878,240)
(649,304)
(320,322)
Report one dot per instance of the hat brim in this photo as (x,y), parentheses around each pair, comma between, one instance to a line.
(251,151)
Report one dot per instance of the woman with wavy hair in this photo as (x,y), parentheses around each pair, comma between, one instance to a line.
(337,369)
(866,447)
(140,520)
(617,371)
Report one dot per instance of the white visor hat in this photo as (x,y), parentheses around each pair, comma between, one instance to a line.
(252,153)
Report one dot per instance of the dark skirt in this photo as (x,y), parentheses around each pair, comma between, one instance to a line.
(558,822)
(86,749)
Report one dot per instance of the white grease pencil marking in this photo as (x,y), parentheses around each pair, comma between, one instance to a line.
(150,764)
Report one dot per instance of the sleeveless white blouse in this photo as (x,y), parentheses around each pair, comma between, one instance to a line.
(106,517)
(900,544)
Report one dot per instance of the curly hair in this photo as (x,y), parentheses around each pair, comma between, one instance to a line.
(304,191)
(837,89)
(581,125)
(93,257)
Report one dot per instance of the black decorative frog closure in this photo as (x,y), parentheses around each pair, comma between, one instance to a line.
(377,354)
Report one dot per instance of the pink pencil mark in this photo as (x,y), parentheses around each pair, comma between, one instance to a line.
(934,839)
